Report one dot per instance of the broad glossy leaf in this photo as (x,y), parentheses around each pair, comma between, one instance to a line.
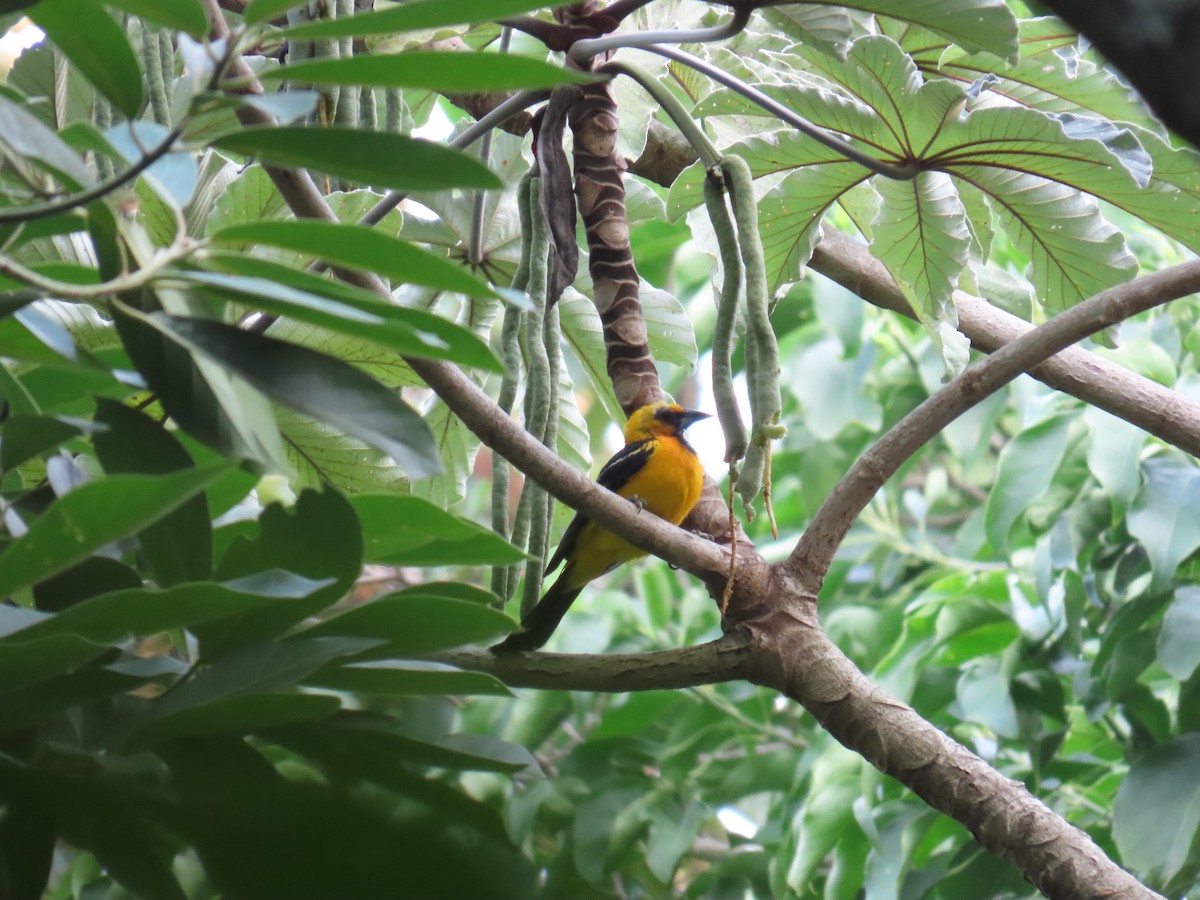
(1179,638)
(93,515)
(415,15)
(259,669)
(446,73)
(1112,456)
(416,625)
(920,233)
(319,538)
(976,25)
(1073,252)
(180,15)
(90,38)
(202,396)
(111,618)
(173,176)
(315,384)
(25,135)
(1027,466)
(457,446)
(25,436)
(449,339)
(1156,814)
(324,456)
(25,663)
(412,531)
(1165,516)
(361,248)
(237,715)
(179,546)
(376,158)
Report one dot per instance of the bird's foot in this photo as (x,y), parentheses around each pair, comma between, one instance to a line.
(638,502)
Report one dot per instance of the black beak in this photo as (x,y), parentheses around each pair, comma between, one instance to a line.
(690,417)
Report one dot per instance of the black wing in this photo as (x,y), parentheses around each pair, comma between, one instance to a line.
(626,463)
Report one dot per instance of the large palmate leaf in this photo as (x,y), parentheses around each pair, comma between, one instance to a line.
(976,25)
(920,233)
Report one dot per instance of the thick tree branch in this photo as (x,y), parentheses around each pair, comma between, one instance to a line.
(1156,409)
(727,659)
(813,554)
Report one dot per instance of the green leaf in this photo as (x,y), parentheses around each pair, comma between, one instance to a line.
(376,158)
(318,538)
(180,15)
(26,136)
(262,10)
(446,73)
(405,679)
(31,662)
(977,25)
(361,248)
(114,617)
(416,625)
(179,546)
(238,714)
(93,515)
(257,669)
(1179,637)
(410,531)
(1165,517)
(920,233)
(443,339)
(314,384)
(1026,468)
(96,44)
(25,436)
(1112,456)
(1156,813)
(457,446)
(201,396)
(413,16)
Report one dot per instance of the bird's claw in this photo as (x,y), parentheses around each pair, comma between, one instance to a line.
(638,502)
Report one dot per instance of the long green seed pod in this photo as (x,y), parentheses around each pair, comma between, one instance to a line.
(347,110)
(368,113)
(102,118)
(762,356)
(551,334)
(504,579)
(156,82)
(537,399)
(393,110)
(166,53)
(728,414)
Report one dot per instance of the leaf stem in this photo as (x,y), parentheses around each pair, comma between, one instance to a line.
(672,107)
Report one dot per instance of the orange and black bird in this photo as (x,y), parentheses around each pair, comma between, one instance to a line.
(658,470)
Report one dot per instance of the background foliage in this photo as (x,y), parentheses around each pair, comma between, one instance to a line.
(214,680)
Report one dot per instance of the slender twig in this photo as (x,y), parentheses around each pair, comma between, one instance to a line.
(672,107)
(582,51)
(903,172)
(810,559)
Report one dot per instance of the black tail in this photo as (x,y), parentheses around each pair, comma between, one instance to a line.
(537,627)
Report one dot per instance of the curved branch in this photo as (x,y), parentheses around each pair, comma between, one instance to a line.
(1156,409)
(810,559)
(582,51)
(905,172)
(726,659)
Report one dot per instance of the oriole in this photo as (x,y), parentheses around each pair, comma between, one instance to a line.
(658,470)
